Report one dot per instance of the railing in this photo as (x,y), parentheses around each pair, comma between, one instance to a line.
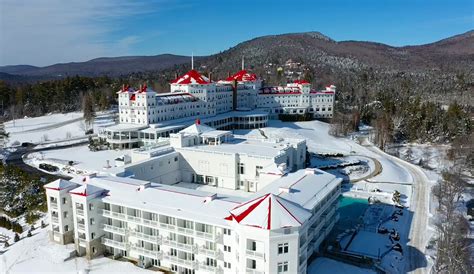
(134,219)
(208,268)
(142,236)
(254,253)
(54,219)
(183,262)
(113,243)
(80,212)
(167,226)
(150,222)
(114,229)
(189,231)
(219,238)
(187,247)
(56,228)
(82,242)
(253,271)
(155,254)
(81,226)
(54,205)
(204,235)
(108,213)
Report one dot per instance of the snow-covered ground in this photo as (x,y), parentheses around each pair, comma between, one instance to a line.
(52,127)
(327,266)
(37,254)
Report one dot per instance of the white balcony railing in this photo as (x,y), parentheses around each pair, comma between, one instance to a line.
(116,215)
(54,205)
(189,231)
(255,253)
(182,262)
(204,235)
(253,271)
(146,237)
(81,227)
(54,219)
(186,247)
(114,229)
(149,253)
(80,212)
(113,243)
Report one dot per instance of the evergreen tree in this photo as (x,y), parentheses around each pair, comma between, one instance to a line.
(88,109)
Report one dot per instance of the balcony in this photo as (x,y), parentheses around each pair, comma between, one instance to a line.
(80,212)
(219,238)
(113,243)
(185,230)
(116,215)
(156,239)
(150,222)
(186,247)
(134,219)
(253,271)
(114,229)
(54,219)
(81,227)
(167,226)
(56,228)
(182,262)
(255,254)
(54,205)
(204,235)
(154,254)
(210,268)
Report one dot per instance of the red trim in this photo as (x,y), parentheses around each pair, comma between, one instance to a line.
(280,93)
(250,201)
(269,222)
(244,214)
(288,211)
(228,218)
(53,188)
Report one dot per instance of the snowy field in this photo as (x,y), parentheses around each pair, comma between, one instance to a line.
(52,127)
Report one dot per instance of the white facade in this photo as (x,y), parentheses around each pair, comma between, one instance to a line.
(192,95)
(156,212)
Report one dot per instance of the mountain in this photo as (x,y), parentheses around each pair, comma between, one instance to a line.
(432,70)
(110,66)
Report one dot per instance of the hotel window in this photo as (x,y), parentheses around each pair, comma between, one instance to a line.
(227,265)
(257,170)
(226,231)
(282,267)
(65,214)
(227,248)
(282,248)
(241,168)
(64,201)
(92,221)
(91,207)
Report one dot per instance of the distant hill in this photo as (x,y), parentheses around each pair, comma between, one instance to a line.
(110,66)
(435,69)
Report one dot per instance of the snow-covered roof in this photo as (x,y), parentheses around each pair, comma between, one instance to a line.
(305,187)
(269,212)
(60,184)
(242,76)
(197,128)
(191,77)
(86,190)
(215,133)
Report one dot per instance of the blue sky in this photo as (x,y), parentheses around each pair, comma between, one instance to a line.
(44,32)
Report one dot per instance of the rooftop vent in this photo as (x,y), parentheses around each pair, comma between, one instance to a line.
(309,171)
(210,198)
(144,186)
(284,189)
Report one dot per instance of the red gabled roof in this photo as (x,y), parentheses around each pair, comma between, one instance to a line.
(301,82)
(192,77)
(242,76)
(269,212)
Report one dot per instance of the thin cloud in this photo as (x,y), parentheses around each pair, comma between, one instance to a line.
(50,31)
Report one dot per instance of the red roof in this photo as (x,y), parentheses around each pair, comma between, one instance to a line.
(242,76)
(192,77)
(301,82)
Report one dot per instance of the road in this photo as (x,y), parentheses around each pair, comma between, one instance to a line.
(52,126)
(419,204)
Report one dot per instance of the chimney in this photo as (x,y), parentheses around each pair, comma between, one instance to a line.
(209,76)
(198,121)
(309,171)
(284,189)
(176,76)
(234,95)
(228,74)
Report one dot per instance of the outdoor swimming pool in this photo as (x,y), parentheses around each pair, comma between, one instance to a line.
(350,211)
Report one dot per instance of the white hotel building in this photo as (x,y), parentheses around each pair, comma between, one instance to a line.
(238,102)
(201,201)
